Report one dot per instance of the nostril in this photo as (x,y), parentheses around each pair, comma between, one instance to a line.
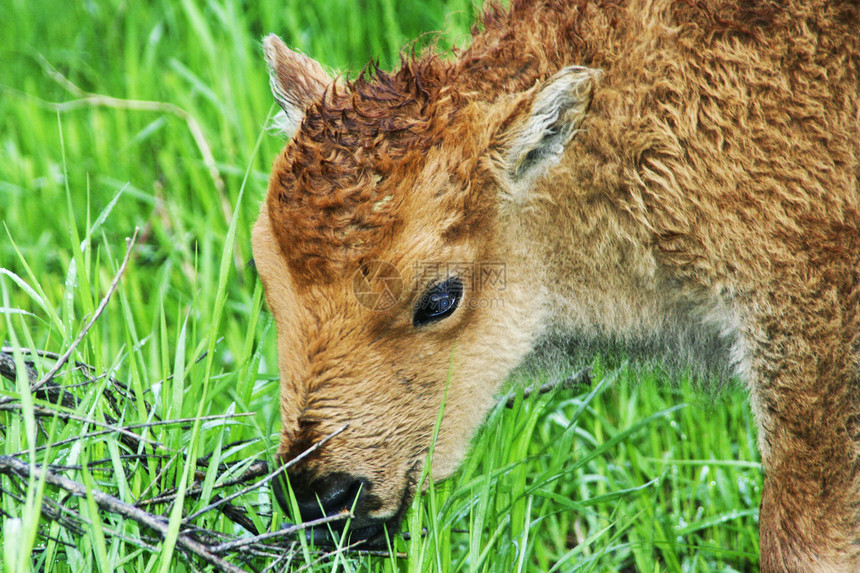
(322,496)
(329,497)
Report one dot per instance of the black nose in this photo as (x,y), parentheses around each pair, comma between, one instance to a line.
(325,497)
(320,497)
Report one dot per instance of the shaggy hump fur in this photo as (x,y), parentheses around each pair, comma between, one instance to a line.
(700,193)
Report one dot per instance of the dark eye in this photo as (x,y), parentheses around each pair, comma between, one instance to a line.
(438,302)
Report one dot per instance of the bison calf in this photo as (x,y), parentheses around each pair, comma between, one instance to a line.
(680,174)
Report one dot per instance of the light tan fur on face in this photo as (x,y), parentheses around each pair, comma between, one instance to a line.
(668,174)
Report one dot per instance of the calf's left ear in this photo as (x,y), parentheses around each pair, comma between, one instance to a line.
(296,81)
(536,142)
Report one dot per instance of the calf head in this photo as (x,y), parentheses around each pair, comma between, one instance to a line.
(390,261)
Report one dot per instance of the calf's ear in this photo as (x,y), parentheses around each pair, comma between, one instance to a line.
(296,81)
(536,141)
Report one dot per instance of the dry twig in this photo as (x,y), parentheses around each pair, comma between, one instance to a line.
(48,413)
(66,355)
(581,378)
(193,542)
(9,371)
(110,503)
(272,475)
(87,99)
(290,531)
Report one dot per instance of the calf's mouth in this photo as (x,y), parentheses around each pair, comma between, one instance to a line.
(343,494)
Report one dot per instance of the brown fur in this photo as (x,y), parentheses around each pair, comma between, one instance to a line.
(709,197)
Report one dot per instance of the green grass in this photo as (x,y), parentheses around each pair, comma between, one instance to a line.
(636,473)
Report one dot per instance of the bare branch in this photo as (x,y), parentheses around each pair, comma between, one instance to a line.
(346,549)
(285,532)
(257,469)
(66,355)
(62,509)
(10,372)
(271,476)
(47,412)
(133,427)
(581,378)
(87,99)
(114,505)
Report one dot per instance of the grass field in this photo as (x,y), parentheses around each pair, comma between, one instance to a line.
(118,115)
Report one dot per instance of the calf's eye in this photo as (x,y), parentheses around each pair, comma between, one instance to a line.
(438,302)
